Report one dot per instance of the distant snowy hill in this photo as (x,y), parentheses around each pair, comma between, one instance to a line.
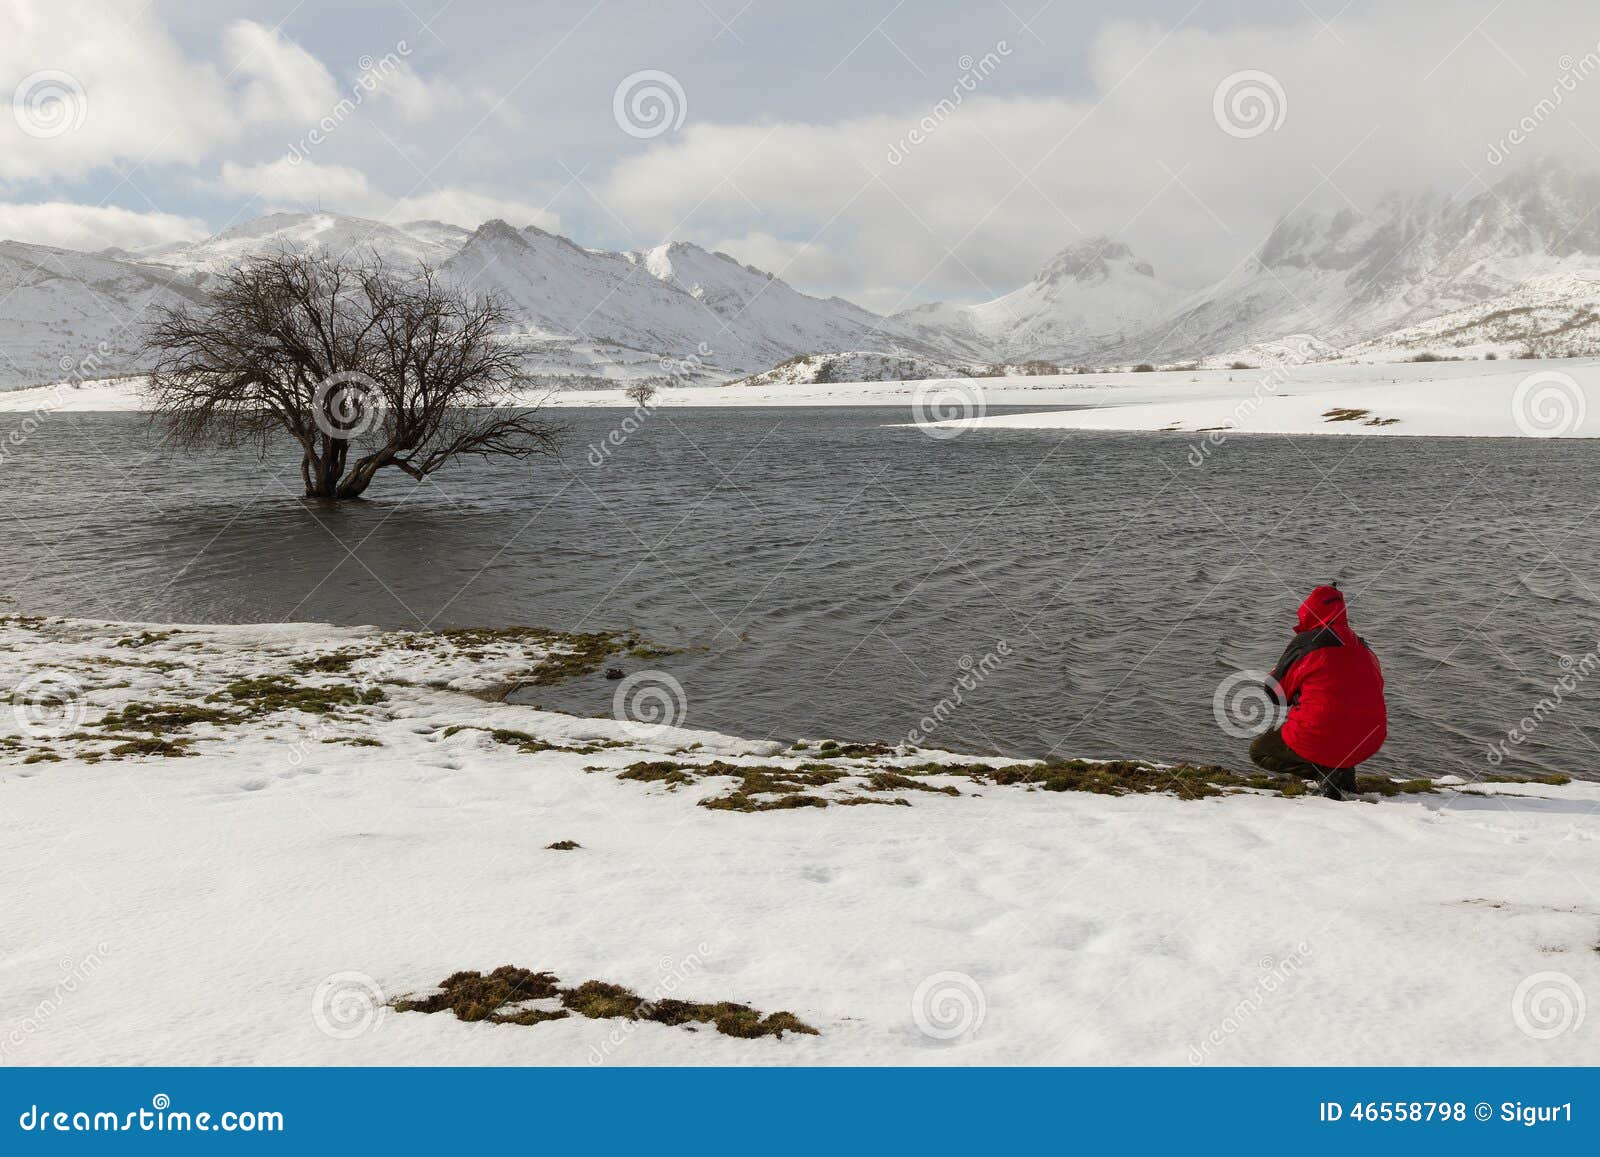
(1556,315)
(1348,279)
(1513,270)
(858,366)
(690,307)
(70,316)
(1087,298)
(333,234)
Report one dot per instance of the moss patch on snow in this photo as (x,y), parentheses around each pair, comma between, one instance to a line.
(504,996)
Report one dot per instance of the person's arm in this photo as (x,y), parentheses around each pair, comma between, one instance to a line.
(1284,681)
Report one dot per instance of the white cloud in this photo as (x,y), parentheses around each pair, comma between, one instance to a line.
(279,82)
(92,227)
(806,261)
(125,88)
(993,184)
(286,184)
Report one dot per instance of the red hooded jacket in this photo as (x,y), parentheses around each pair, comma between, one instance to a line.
(1334,688)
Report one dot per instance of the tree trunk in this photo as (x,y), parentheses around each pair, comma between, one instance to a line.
(321,477)
(323,472)
(355,483)
(325,477)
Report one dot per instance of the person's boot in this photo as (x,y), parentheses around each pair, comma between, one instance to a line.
(1340,783)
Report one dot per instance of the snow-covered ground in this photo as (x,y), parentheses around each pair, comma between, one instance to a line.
(1470,399)
(260,898)
(1558,398)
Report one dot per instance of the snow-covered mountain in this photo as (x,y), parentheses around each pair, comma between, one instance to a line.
(586,315)
(1087,298)
(66,315)
(335,234)
(1512,270)
(1350,278)
(1556,315)
(679,302)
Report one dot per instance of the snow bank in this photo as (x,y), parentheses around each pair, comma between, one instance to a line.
(1435,398)
(260,899)
(1540,399)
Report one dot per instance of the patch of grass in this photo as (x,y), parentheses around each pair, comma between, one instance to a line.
(833,749)
(1121,777)
(563,846)
(1551,778)
(472,996)
(355,740)
(1383,785)
(771,788)
(42,757)
(572,653)
(893,781)
(269,694)
(1381,422)
(495,998)
(335,663)
(162,718)
(1345,414)
(145,638)
(659,771)
(150,745)
(739,801)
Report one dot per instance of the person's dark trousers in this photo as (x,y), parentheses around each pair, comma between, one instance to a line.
(1270,752)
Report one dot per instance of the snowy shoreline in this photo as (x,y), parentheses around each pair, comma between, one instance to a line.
(238,843)
(1550,398)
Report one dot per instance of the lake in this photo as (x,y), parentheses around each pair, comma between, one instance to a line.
(833,575)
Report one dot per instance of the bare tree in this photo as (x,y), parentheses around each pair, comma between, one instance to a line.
(363,368)
(640,392)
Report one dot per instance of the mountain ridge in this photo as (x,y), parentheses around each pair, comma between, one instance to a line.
(1510,269)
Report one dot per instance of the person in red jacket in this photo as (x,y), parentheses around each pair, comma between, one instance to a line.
(1332,684)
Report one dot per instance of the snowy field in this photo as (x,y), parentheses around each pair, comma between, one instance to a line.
(286,828)
(1468,399)
(1474,399)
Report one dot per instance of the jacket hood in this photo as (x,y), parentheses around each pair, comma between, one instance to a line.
(1324,607)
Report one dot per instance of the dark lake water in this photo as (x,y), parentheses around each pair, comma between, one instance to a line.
(833,574)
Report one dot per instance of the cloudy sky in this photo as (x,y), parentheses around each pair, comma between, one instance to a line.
(891,152)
